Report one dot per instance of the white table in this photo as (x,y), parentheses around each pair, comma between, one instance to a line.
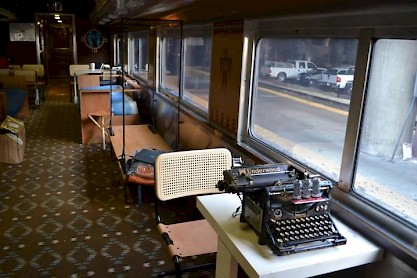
(238,244)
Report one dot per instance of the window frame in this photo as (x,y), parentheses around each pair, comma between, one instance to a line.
(132,38)
(367,26)
(164,32)
(184,31)
(117,44)
(196,30)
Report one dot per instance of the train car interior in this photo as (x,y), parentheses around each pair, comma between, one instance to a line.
(295,121)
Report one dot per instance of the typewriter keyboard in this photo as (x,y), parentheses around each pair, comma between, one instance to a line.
(316,228)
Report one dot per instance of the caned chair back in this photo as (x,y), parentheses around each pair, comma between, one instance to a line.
(188,173)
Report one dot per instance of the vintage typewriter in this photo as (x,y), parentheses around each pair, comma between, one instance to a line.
(288,210)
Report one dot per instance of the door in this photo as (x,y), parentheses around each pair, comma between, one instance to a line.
(56,47)
(60,50)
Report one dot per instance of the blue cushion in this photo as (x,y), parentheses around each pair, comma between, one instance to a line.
(116,96)
(15,100)
(117,105)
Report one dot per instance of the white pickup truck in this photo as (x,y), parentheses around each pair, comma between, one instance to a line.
(337,78)
(290,69)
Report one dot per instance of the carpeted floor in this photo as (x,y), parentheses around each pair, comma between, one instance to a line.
(62,210)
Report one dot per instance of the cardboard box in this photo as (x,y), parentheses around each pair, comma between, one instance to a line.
(12,141)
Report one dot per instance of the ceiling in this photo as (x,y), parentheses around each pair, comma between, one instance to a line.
(24,10)
(107,11)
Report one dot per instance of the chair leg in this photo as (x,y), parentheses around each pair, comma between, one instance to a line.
(126,184)
(103,133)
(37,97)
(139,195)
(178,270)
(43,93)
(102,127)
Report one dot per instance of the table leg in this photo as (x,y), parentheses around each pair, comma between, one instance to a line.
(75,90)
(226,265)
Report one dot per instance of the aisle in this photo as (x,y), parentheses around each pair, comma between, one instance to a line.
(62,211)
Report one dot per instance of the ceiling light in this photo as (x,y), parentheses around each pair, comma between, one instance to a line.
(113,15)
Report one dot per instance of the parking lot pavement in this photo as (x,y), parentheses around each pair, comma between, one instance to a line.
(317,93)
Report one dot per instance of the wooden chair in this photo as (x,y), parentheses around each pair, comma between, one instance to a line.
(100,116)
(3,106)
(5,72)
(40,76)
(17,82)
(15,67)
(102,123)
(31,82)
(188,173)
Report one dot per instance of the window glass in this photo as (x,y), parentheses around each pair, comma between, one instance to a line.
(170,66)
(139,65)
(300,107)
(197,62)
(118,51)
(387,160)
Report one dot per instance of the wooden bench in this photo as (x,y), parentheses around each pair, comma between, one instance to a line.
(136,137)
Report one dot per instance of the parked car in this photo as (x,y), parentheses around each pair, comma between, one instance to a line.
(337,78)
(264,70)
(312,77)
(348,87)
(290,69)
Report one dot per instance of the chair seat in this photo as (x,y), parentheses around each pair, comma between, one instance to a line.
(140,180)
(144,176)
(191,238)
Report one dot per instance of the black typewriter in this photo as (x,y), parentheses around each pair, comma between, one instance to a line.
(289,212)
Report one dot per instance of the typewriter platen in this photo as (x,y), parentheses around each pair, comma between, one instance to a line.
(288,212)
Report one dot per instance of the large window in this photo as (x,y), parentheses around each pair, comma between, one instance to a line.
(170,64)
(118,50)
(197,62)
(387,165)
(184,68)
(138,62)
(302,97)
